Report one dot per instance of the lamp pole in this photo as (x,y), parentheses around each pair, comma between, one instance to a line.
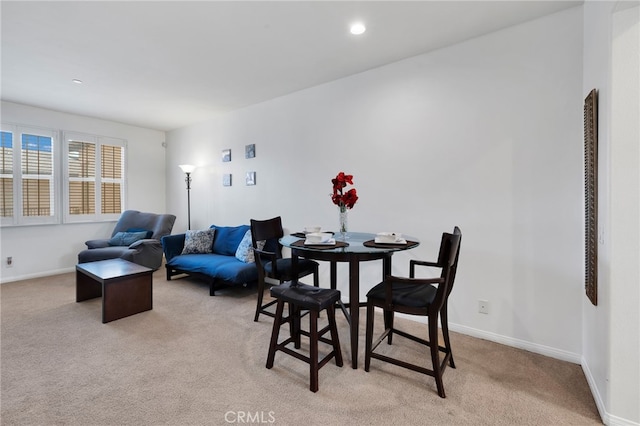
(188,169)
(188,180)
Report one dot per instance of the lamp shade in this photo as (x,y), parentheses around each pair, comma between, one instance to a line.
(187,168)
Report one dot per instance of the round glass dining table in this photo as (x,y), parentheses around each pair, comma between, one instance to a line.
(355,248)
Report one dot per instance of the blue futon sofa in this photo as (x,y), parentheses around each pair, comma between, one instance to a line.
(229,261)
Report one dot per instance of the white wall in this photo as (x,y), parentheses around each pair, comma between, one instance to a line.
(611,330)
(625,215)
(486,135)
(48,249)
(597,45)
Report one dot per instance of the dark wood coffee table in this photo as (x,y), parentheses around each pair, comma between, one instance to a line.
(125,287)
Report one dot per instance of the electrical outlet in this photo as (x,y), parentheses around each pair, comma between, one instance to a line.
(9,261)
(483,306)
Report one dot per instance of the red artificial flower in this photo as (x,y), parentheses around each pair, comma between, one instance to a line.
(343,199)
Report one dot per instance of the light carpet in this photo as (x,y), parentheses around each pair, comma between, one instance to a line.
(200,360)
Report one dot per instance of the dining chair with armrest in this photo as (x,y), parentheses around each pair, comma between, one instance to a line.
(444,316)
(271,265)
(415,296)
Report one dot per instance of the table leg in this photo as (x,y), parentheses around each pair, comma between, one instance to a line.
(294,268)
(126,296)
(388,315)
(354,308)
(86,287)
(333,274)
(386,267)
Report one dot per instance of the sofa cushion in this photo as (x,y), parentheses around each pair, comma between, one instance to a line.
(245,252)
(222,267)
(228,239)
(127,238)
(198,241)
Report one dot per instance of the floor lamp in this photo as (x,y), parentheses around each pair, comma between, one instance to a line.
(188,169)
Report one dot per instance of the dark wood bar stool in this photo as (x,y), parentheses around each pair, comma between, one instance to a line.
(301,296)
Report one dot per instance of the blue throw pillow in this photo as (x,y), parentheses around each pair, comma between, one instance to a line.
(149,233)
(228,239)
(126,238)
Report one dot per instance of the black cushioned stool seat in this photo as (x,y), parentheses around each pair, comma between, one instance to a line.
(314,299)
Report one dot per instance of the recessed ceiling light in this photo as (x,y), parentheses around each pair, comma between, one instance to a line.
(76,81)
(358,28)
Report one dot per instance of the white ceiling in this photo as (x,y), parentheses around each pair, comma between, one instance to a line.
(167,64)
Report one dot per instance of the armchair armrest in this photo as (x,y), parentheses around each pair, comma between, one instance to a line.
(172,245)
(93,244)
(413,263)
(145,242)
(264,256)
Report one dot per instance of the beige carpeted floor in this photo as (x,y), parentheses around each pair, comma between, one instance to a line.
(200,360)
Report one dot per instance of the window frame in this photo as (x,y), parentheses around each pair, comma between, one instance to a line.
(99,141)
(18,218)
(60,176)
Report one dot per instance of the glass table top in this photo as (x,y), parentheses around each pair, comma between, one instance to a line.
(355,241)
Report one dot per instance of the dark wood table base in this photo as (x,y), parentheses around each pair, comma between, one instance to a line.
(359,247)
(126,288)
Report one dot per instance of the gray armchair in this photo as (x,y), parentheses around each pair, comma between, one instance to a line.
(136,238)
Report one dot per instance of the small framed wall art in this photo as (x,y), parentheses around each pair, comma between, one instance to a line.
(226,155)
(250,151)
(226,179)
(251,178)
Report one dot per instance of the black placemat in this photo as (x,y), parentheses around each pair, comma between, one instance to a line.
(339,244)
(372,243)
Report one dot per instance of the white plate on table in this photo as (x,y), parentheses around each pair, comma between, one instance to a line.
(330,242)
(386,241)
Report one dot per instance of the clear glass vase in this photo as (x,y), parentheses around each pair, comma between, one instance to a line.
(344,222)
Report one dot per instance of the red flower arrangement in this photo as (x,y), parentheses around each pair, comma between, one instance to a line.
(344,200)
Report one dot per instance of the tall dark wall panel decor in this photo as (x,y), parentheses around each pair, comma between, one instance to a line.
(591,194)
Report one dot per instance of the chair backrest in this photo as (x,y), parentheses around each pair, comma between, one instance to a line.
(449,252)
(159,224)
(269,230)
(454,268)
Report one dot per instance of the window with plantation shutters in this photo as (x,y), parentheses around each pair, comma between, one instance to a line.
(27,175)
(112,161)
(6,174)
(37,175)
(49,176)
(82,177)
(95,177)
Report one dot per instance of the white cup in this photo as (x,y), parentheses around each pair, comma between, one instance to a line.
(318,237)
(310,229)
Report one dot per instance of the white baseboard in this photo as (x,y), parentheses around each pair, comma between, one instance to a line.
(517,343)
(596,394)
(37,275)
(611,420)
